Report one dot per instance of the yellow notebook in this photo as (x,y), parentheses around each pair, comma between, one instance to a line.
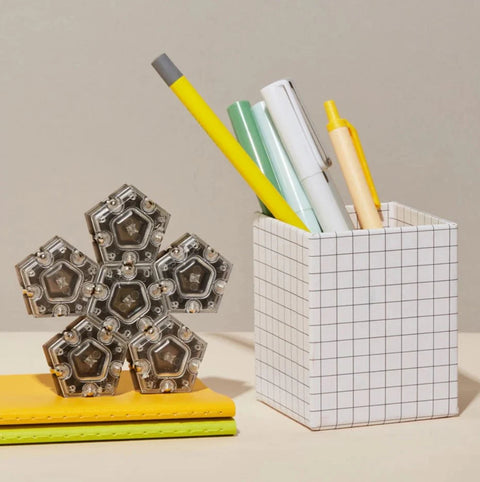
(31,411)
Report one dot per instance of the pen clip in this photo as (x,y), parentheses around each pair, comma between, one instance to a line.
(326,161)
(363,163)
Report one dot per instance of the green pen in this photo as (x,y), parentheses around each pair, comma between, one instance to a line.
(292,189)
(247,134)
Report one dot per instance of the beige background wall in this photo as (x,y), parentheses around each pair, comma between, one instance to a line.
(82,112)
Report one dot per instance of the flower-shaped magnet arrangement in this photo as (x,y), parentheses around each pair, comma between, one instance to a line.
(124,301)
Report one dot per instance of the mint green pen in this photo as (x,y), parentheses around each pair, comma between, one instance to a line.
(290,186)
(247,134)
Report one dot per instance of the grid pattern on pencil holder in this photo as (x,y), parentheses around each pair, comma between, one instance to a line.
(359,327)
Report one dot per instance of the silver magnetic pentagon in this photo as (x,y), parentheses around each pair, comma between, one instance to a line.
(127,221)
(131,229)
(53,278)
(90,361)
(194,277)
(79,360)
(199,272)
(61,282)
(169,357)
(168,362)
(128,299)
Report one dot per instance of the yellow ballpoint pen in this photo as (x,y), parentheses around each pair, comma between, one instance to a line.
(225,141)
(363,163)
(349,152)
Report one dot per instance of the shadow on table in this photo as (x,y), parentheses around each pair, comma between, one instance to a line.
(468,389)
(238,340)
(227,386)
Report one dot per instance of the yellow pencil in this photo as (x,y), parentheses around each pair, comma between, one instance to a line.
(217,131)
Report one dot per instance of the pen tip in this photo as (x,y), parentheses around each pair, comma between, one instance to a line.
(167,70)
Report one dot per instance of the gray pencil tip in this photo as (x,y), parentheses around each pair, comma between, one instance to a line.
(167,70)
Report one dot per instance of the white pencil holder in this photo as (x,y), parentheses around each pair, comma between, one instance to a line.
(359,327)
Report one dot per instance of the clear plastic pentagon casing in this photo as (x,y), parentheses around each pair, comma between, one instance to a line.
(54,279)
(86,360)
(126,302)
(127,221)
(192,275)
(166,357)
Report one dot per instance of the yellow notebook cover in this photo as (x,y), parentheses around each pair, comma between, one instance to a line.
(32,399)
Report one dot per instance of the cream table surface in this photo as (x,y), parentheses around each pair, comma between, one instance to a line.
(269,446)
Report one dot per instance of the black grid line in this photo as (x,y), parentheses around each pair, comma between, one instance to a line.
(387,319)
(326,290)
(402,300)
(275,368)
(277,352)
(413,265)
(433,313)
(277,254)
(447,381)
(281,305)
(284,289)
(353,407)
(370,318)
(276,404)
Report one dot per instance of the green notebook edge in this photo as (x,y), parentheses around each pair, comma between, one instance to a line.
(36,434)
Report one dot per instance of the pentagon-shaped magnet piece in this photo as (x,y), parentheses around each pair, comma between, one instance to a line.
(86,359)
(166,357)
(57,279)
(127,221)
(126,300)
(192,275)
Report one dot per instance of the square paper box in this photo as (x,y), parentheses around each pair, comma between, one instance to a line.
(358,327)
